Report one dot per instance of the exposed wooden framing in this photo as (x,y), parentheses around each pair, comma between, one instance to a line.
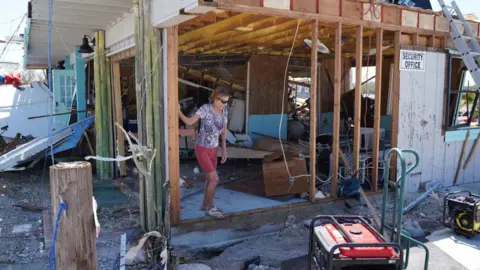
(397,26)
(118,118)
(172,105)
(336,108)
(210,78)
(358,98)
(158,120)
(128,53)
(313,111)
(415,39)
(138,32)
(395,104)
(109,115)
(247,98)
(150,184)
(377,114)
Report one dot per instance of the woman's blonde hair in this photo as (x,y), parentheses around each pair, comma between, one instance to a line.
(219,91)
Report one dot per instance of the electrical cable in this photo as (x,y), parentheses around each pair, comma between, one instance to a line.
(13,35)
(283,104)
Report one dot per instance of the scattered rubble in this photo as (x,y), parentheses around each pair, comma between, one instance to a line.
(23,229)
(194,266)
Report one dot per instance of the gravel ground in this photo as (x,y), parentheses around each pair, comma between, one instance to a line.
(292,242)
(26,250)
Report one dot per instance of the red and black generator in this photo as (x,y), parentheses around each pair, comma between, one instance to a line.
(350,243)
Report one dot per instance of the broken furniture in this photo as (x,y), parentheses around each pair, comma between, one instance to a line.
(463,214)
(343,241)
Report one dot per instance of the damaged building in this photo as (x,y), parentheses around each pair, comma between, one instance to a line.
(319,90)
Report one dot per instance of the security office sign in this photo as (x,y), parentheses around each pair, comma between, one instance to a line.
(412,60)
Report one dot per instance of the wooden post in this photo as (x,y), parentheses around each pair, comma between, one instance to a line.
(150,189)
(336,108)
(358,99)
(158,120)
(415,38)
(109,117)
(117,99)
(313,111)
(172,106)
(75,244)
(395,104)
(377,113)
(138,27)
(247,98)
(98,109)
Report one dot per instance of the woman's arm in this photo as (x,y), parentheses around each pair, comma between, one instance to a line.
(188,120)
(224,144)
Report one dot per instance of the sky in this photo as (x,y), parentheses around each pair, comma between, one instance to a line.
(13,10)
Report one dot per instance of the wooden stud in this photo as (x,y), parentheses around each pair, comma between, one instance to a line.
(71,183)
(395,104)
(172,116)
(98,108)
(138,32)
(358,99)
(377,113)
(159,122)
(336,108)
(313,111)
(431,41)
(247,98)
(150,189)
(472,151)
(415,38)
(117,99)
(109,115)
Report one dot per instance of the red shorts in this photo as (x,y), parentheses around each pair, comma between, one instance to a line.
(207,158)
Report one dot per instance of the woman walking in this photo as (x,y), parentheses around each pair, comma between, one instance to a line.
(213,124)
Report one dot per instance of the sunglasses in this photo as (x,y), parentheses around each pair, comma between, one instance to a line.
(224,102)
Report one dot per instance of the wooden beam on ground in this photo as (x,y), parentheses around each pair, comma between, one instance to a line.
(358,99)
(313,111)
(172,116)
(395,104)
(336,108)
(75,246)
(472,152)
(118,117)
(377,108)
(462,153)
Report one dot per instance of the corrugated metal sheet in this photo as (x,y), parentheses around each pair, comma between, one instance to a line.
(420,127)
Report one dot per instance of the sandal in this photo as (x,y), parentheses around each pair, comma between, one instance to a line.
(215,213)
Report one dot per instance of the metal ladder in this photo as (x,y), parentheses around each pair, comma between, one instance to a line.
(466,44)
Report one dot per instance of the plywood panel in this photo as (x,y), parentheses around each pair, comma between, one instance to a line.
(329,7)
(255,3)
(409,18)
(391,15)
(426,21)
(374,14)
(267,74)
(438,165)
(280,4)
(427,123)
(352,9)
(441,24)
(305,6)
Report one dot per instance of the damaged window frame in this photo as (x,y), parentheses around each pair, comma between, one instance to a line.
(451,120)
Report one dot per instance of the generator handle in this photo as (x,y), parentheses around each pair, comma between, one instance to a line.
(448,195)
(395,246)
